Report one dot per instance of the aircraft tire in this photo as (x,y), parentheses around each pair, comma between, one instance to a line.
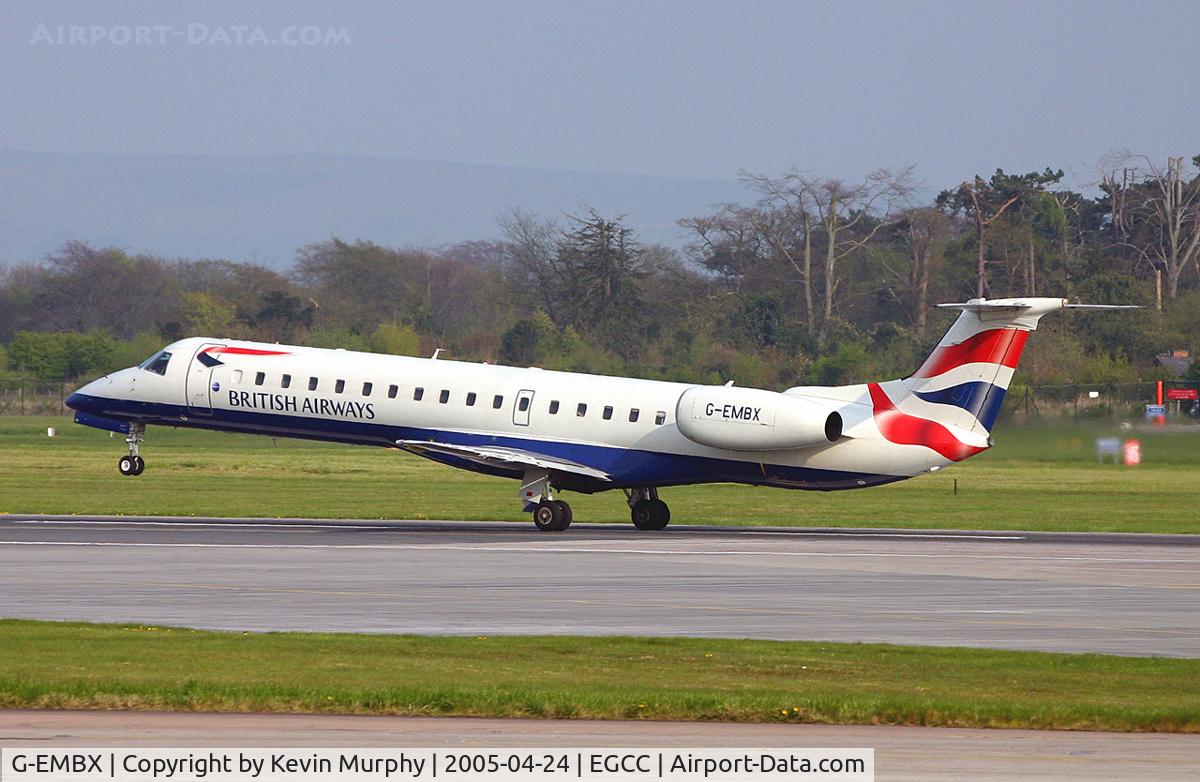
(650,515)
(139,466)
(549,516)
(568,516)
(662,514)
(125,465)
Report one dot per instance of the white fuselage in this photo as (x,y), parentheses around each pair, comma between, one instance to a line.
(622,427)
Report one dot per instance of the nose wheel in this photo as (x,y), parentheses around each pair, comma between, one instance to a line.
(133,463)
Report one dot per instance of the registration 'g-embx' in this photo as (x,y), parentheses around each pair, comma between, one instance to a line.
(556,431)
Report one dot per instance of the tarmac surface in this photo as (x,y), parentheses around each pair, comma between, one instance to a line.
(910,754)
(1121,594)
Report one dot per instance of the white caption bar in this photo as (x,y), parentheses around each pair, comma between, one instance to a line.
(223,764)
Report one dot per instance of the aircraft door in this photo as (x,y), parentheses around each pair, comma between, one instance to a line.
(522,407)
(199,379)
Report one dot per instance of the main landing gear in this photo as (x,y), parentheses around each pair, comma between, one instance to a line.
(133,464)
(549,514)
(647,510)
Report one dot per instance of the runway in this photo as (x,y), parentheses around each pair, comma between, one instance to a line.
(1122,594)
(908,754)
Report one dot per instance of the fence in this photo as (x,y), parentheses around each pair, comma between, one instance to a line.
(1092,400)
(26,396)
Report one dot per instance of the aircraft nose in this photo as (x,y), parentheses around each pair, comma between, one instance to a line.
(82,398)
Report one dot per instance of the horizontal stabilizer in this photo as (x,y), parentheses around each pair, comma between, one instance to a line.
(1017,305)
(1104,306)
(985,306)
(502,457)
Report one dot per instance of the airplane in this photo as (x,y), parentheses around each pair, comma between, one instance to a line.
(564,431)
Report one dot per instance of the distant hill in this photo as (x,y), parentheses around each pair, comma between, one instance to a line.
(261,208)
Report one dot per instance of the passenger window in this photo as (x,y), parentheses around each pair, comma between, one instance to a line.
(471,399)
(444,397)
(633,416)
(339,386)
(554,407)
(260,378)
(581,410)
(660,418)
(312,384)
(497,402)
(285,381)
(523,404)
(367,387)
(418,393)
(608,412)
(236,377)
(392,391)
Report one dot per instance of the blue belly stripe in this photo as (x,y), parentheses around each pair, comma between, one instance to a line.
(628,467)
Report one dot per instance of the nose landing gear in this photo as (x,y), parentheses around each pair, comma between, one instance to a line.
(133,464)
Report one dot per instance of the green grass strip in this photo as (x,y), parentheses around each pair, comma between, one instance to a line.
(91,666)
(1035,479)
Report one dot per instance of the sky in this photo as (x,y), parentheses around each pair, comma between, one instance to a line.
(683,89)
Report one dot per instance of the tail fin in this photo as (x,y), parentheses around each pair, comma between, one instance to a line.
(965,379)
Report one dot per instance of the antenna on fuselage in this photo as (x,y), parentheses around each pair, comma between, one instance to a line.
(436,353)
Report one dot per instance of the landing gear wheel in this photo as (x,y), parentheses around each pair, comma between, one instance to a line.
(568,516)
(552,516)
(650,515)
(139,466)
(126,465)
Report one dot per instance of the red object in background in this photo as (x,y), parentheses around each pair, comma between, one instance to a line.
(1158,393)
(1183,394)
(1132,453)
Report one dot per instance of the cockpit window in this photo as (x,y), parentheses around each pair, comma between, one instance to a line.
(157,363)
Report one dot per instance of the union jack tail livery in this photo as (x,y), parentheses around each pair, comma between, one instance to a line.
(951,402)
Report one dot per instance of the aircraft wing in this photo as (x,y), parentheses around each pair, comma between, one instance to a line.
(501,456)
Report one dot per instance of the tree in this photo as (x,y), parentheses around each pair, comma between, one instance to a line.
(784,219)
(396,339)
(204,314)
(534,266)
(281,317)
(605,262)
(730,243)
(1156,214)
(362,284)
(54,356)
(923,232)
(849,217)
(985,202)
(81,288)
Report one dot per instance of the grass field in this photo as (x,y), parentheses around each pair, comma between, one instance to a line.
(71,665)
(1035,479)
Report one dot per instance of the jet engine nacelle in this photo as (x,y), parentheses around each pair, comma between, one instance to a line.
(751,419)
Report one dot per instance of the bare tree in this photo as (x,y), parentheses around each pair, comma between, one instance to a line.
(923,231)
(847,215)
(784,219)
(1156,214)
(533,267)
